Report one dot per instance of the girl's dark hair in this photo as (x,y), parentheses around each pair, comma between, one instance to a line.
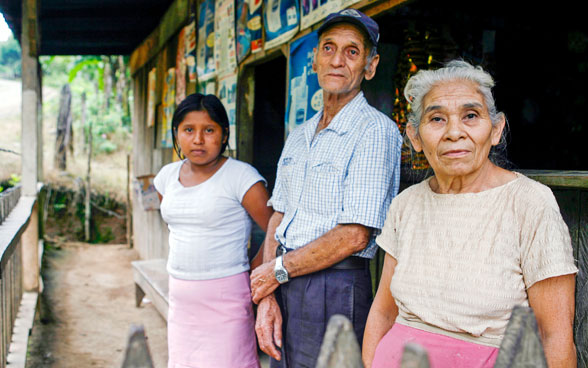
(199,102)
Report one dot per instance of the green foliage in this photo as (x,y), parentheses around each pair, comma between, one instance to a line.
(85,75)
(10,58)
(14,179)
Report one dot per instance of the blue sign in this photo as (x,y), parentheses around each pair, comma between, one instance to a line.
(305,96)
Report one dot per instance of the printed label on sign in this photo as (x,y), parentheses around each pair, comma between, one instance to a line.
(254,23)
(291,14)
(316,102)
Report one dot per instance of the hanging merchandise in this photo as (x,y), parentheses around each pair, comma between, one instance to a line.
(305,97)
(205,65)
(151,81)
(248,25)
(169,88)
(280,20)
(190,52)
(227,93)
(181,67)
(225,56)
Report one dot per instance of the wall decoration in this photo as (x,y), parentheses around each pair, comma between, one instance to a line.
(227,93)
(190,53)
(305,97)
(280,19)
(205,65)
(225,55)
(168,102)
(313,11)
(151,83)
(181,67)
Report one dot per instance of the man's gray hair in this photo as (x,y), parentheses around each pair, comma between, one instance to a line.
(422,82)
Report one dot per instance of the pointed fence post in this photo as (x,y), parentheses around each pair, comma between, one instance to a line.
(339,348)
(521,345)
(137,353)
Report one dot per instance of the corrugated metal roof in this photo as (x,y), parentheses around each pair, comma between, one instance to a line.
(90,27)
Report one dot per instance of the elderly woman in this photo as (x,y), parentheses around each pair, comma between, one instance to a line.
(468,244)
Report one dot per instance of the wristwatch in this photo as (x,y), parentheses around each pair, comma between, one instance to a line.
(280,271)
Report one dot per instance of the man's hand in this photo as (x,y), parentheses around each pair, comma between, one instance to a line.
(263,281)
(268,326)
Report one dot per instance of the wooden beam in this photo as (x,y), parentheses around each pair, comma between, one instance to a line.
(173,20)
(565,179)
(373,8)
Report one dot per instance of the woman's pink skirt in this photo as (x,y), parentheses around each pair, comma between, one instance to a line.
(443,351)
(211,324)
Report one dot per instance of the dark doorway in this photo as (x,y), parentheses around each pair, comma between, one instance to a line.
(268,117)
(268,126)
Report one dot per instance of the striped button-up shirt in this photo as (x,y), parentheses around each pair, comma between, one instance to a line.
(348,173)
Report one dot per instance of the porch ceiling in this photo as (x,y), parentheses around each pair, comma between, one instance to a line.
(90,27)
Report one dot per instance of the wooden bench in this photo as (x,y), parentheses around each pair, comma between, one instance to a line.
(151,279)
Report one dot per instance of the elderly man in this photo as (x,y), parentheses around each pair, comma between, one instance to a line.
(336,177)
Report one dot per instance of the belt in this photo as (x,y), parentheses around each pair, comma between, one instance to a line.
(349,263)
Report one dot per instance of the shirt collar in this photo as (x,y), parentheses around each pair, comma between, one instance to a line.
(341,123)
(345,118)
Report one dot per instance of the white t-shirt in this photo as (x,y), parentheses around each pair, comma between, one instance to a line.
(208,227)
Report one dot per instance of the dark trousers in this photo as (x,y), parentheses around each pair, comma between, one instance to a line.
(307,303)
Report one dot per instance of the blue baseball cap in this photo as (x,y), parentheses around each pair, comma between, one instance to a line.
(355,17)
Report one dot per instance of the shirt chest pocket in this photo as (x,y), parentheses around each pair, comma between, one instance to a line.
(325,187)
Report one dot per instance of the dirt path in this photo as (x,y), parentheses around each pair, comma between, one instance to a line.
(87,307)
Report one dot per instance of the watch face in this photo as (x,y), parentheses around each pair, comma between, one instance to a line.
(281,276)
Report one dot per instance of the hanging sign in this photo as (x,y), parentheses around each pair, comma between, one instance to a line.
(169,88)
(190,53)
(312,11)
(205,65)
(305,96)
(227,93)
(181,67)
(280,20)
(225,55)
(151,81)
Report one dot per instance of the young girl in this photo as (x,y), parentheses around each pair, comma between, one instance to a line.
(208,201)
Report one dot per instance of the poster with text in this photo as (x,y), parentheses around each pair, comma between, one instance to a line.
(205,65)
(151,82)
(181,68)
(248,26)
(225,55)
(305,97)
(254,24)
(168,103)
(227,93)
(190,53)
(207,87)
(313,11)
(280,19)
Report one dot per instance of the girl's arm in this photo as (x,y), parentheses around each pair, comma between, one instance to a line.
(382,313)
(255,203)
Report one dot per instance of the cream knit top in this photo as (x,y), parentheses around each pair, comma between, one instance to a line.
(465,260)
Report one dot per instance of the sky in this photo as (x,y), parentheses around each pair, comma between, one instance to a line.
(4,30)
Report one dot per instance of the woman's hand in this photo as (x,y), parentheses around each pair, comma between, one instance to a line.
(552,301)
(382,313)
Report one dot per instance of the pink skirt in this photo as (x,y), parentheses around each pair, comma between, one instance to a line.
(443,351)
(211,324)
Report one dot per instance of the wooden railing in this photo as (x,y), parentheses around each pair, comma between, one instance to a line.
(14,218)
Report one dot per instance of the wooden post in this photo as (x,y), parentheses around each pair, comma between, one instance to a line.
(88,209)
(129,205)
(64,128)
(30,137)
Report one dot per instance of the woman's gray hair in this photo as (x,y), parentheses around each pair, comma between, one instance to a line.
(422,82)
